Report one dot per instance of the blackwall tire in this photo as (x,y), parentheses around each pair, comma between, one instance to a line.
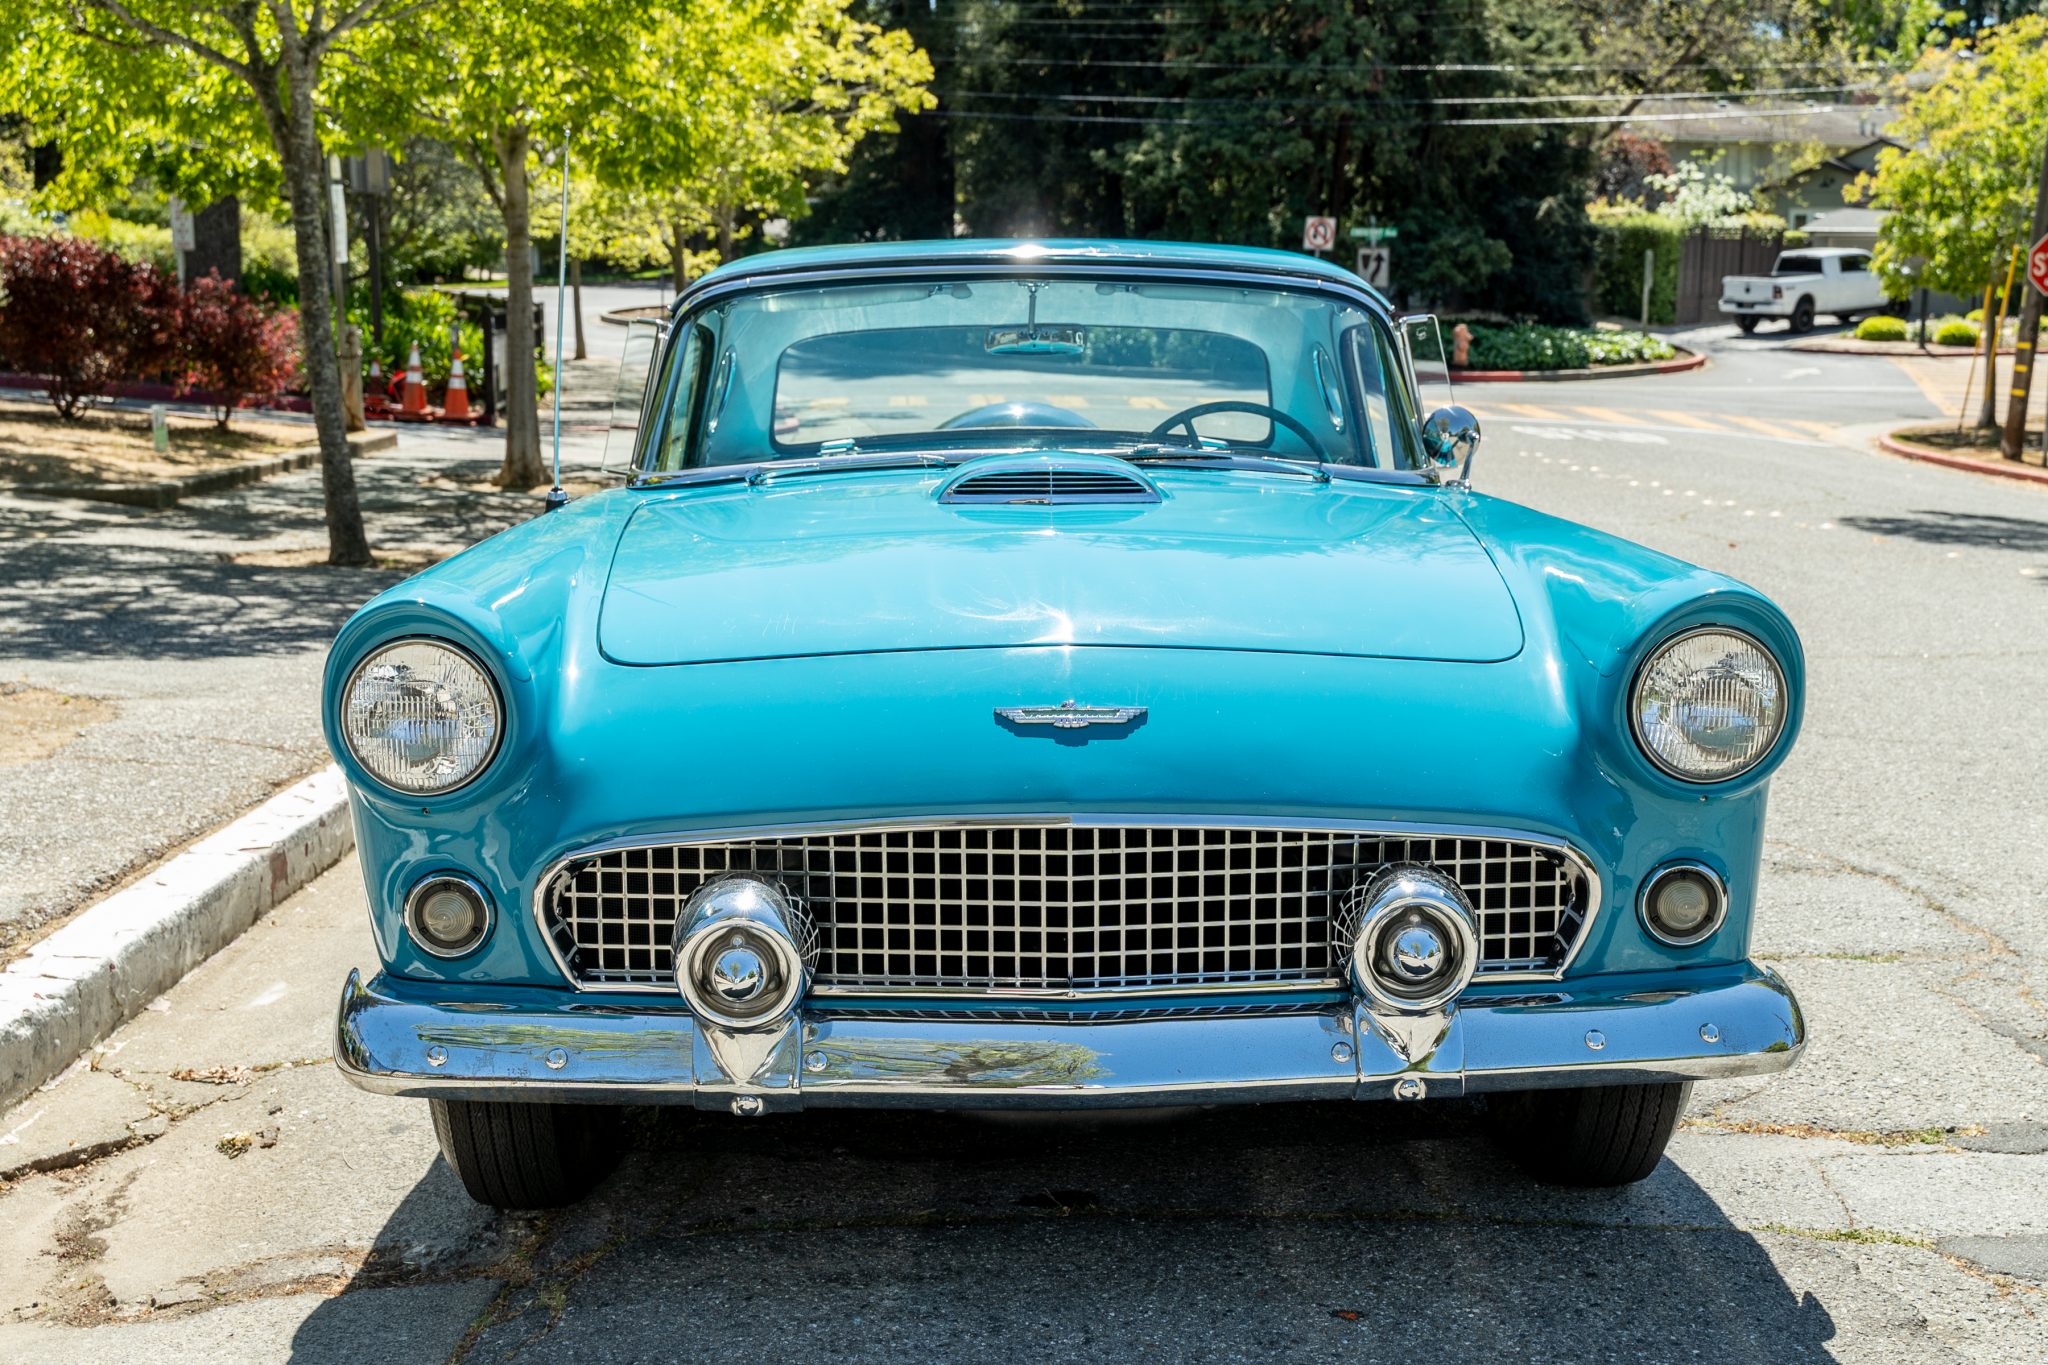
(1597,1136)
(1745,325)
(1802,316)
(527,1156)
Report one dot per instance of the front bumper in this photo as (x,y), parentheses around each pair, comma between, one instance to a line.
(410,1038)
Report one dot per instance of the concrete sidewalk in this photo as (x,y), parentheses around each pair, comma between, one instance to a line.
(159,670)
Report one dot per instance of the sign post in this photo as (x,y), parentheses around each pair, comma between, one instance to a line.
(1376,258)
(1319,235)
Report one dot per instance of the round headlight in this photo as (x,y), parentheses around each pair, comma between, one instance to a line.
(421,717)
(1709,704)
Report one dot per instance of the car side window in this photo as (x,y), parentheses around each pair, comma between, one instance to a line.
(683,382)
(1383,397)
(1856,263)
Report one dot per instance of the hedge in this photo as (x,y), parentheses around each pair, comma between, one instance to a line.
(1956,334)
(1881,327)
(1532,347)
(1618,265)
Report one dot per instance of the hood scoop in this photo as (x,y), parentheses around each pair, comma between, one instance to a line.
(1047,481)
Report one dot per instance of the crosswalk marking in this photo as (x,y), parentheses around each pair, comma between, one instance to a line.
(1686,419)
(1817,428)
(1610,415)
(906,400)
(1765,428)
(1524,410)
(1148,402)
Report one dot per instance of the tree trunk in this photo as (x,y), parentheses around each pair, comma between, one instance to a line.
(216,241)
(727,216)
(522,467)
(1987,415)
(576,298)
(678,267)
(305,169)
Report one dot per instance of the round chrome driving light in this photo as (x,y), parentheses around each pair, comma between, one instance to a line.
(1683,903)
(1408,939)
(1709,704)
(421,716)
(744,952)
(447,916)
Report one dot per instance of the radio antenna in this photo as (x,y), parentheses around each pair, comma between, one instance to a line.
(556,497)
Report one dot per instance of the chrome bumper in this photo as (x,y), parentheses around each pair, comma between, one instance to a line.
(406,1038)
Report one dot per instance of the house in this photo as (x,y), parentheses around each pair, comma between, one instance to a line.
(1826,189)
(1751,140)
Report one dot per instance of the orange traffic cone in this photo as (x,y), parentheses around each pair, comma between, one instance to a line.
(455,406)
(375,400)
(415,386)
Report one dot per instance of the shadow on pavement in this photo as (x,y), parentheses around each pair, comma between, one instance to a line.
(1287,1230)
(1958,528)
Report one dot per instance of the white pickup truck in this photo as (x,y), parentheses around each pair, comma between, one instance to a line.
(1811,280)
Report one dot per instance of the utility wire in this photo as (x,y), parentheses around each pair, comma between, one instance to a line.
(1444,100)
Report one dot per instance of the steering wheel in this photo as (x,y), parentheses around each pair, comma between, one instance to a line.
(1186,418)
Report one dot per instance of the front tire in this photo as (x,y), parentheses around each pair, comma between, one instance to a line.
(527,1156)
(1597,1136)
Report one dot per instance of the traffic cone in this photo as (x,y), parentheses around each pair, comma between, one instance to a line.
(455,405)
(415,405)
(375,400)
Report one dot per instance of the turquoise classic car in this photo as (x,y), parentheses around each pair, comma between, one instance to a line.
(1055,675)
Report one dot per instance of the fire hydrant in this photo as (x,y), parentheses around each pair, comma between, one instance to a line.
(1461,345)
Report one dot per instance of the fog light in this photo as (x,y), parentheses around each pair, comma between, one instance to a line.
(1684,903)
(448,916)
(743,953)
(1408,939)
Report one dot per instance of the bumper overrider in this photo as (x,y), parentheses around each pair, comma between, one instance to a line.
(400,1037)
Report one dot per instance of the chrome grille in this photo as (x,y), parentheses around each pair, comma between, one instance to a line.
(1051,485)
(1060,907)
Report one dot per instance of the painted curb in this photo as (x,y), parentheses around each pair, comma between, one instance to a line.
(1690,360)
(161,493)
(2001,469)
(84,981)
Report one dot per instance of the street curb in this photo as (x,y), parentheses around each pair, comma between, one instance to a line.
(1690,360)
(162,493)
(641,312)
(2003,469)
(84,981)
(1835,346)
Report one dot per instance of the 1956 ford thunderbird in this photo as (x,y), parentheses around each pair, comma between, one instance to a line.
(1055,675)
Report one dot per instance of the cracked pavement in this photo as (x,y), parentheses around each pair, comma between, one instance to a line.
(1884,1201)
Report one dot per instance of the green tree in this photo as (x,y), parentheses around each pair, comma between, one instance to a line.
(1961,191)
(754,104)
(219,92)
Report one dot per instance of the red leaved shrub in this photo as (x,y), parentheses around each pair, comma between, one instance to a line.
(231,346)
(80,317)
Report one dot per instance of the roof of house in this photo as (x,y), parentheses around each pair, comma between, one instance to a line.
(1789,119)
(1847,222)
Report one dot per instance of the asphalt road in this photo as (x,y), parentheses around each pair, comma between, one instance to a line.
(1887,1200)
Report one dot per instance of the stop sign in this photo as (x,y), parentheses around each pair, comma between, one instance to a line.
(2037,265)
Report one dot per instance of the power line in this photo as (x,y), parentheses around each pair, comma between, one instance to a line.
(1132,120)
(1443,100)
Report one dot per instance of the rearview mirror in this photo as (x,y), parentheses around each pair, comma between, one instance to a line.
(1451,433)
(1035,339)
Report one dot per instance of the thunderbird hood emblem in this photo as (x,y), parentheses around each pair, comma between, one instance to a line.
(1070,715)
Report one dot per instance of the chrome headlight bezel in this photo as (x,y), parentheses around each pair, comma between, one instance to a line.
(468,659)
(1662,763)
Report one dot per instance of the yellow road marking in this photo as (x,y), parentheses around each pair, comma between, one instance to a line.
(906,400)
(1066,400)
(1524,410)
(830,402)
(1152,404)
(1686,419)
(1764,428)
(1817,428)
(1610,415)
(982,400)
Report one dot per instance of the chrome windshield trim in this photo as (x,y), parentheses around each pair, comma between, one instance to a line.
(1390,828)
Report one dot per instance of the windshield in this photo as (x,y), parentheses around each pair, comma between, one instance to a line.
(1092,364)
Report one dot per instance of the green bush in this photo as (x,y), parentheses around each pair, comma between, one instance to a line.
(1956,333)
(1881,327)
(1527,346)
(1618,265)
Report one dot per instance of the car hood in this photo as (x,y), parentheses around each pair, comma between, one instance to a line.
(864,563)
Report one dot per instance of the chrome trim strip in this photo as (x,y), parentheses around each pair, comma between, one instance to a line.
(880,825)
(412,1038)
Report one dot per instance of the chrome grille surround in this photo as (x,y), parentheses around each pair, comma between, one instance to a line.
(1023,906)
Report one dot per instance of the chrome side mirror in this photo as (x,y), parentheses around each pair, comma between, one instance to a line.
(1451,434)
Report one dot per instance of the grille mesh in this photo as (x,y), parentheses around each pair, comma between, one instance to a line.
(993,909)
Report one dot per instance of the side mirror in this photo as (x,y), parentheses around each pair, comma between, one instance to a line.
(1449,435)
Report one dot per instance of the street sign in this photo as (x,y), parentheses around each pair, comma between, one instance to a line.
(2037,265)
(1376,265)
(1320,234)
(1374,233)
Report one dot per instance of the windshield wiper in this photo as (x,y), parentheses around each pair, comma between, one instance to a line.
(1189,457)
